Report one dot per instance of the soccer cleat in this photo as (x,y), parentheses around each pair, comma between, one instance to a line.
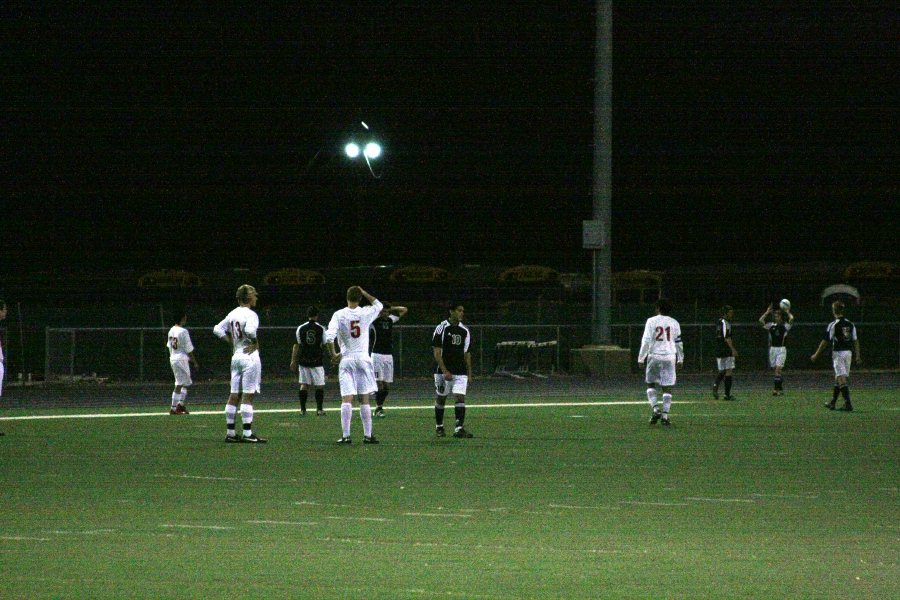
(666,422)
(439,431)
(172,411)
(370,440)
(654,417)
(345,440)
(181,410)
(829,405)
(232,439)
(715,392)
(253,439)
(728,398)
(847,407)
(462,433)
(379,412)
(302,413)
(320,413)
(775,393)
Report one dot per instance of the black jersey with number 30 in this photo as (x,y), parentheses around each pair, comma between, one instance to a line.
(453,340)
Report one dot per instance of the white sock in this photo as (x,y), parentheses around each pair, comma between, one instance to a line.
(247,418)
(230,414)
(346,413)
(651,397)
(183,396)
(667,402)
(175,399)
(365,413)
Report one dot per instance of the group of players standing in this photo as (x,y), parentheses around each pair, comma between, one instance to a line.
(360,372)
(663,351)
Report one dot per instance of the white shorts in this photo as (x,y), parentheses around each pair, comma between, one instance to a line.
(357,376)
(777,356)
(312,375)
(181,368)
(2,373)
(661,370)
(841,361)
(246,373)
(384,367)
(725,363)
(457,385)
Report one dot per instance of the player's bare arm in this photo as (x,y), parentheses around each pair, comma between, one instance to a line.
(439,359)
(367,296)
(856,355)
(294,351)
(252,347)
(400,310)
(822,345)
(469,365)
(193,360)
(734,351)
(335,356)
(762,319)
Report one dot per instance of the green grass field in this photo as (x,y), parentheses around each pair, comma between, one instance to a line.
(761,498)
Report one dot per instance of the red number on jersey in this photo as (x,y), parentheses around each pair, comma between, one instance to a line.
(355,331)
(659,334)
(174,343)
(236,332)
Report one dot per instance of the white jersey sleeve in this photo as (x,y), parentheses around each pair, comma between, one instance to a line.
(646,341)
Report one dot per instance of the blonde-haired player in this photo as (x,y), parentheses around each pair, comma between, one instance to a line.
(181,352)
(661,349)
(356,373)
(239,329)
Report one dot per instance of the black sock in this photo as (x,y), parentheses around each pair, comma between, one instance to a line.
(379,398)
(439,415)
(460,411)
(728,385)
(719,377)
(304,394)
(779,382)
(320,397)
(835,393)
(845,392)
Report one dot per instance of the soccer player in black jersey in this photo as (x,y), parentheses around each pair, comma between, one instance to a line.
(306,357)
(841,335)
(778,331)
(725,352)
(453,369)
(382,352)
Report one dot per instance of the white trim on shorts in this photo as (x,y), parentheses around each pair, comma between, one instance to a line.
(312,375)
(384,367)
(457,385)
(181,369)
(777,356)
(661,370)
(841,360)
(725,363)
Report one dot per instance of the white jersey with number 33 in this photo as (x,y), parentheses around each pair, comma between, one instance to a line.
(662,337)
(350,326)
(241,324)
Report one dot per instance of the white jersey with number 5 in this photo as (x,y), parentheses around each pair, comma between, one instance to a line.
(241,323)
(179,343)
(662,337)
(350,326)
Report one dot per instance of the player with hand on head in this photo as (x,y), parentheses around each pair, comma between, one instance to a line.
(725,352)
(841,336)
(181,352)
(239,328)
(453,369)
(778,330)
(356,374)
(661,349)
(306,357)
(382,352)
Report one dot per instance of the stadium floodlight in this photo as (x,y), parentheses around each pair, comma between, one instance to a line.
(351,150)
(373,150)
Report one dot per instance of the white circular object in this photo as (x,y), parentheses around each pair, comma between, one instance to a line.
(373,150)
(785,305)
(352,150)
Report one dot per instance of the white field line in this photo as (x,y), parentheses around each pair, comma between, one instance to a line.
(642,503)
(23,538)
(297,410)
(180,526)
(492,547)
(266,522)
(420,514)
(575,507)
(87,532)
(313,503)
(788,496)
(707,499)
(372,519)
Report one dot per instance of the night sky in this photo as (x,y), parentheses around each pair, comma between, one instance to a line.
(197,139)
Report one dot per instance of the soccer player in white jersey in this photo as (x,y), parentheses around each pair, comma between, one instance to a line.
(661,349)
(181,352)
(2,356)
(356,373)
(239,330)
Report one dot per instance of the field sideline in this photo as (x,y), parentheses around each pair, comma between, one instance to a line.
(565,492)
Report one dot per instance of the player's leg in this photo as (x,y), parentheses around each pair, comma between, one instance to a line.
(440,400)
(720,375)
(651,377)
(319,391)
(251,381)
(666,380)
(459,385)
(231,407)
(366,384)
(176,398)
(302,395)
(348,393)
(843,383)
(666,403)
(779,381)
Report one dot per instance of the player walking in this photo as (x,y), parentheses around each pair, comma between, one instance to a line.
(841,334)
(778,331)
(307,356)
(181,352)
(453,369)
(382,352)
(350,326)
(239,329)
(661,349)
(725,352)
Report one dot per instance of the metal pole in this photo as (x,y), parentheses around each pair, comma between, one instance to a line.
(602,193)
(46,354)
(21,340)
(72,356)
(141,366)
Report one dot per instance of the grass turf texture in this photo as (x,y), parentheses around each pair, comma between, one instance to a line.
(765,497)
